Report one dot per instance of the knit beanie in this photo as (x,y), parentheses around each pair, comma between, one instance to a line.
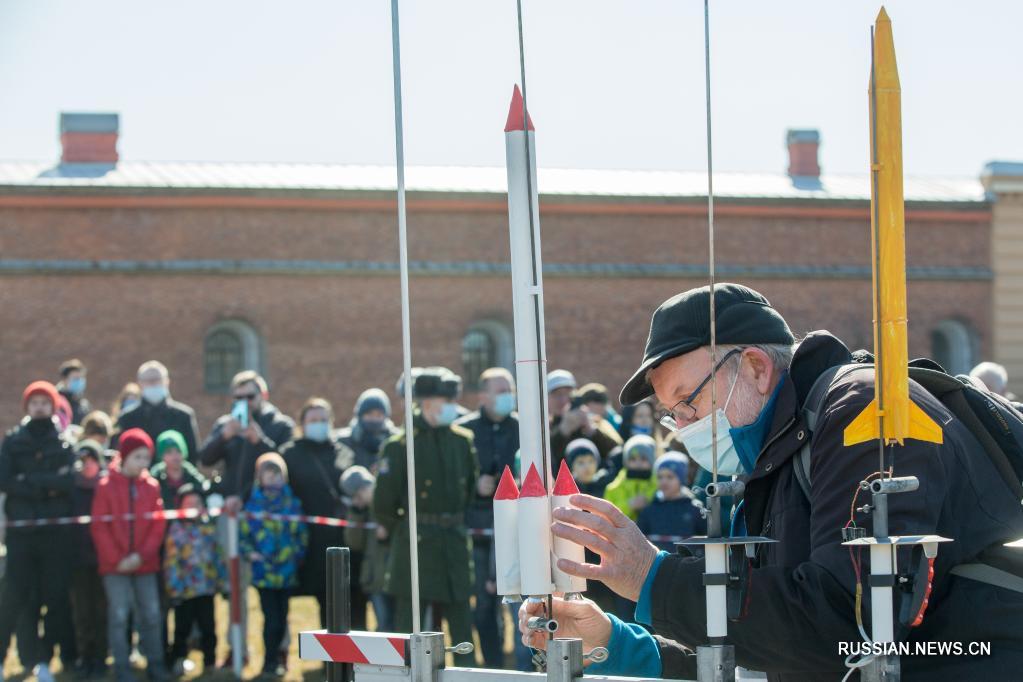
(272,459)
(372,399)
(579,447)
(171,439)
(40,388)
(640,445)
(132,440)
(676,463)
(354,479)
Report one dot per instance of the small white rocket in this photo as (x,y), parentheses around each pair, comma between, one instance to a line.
(565,487)
(525,546)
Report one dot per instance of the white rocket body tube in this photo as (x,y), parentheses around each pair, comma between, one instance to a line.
(527,292)
(506,537)
(534,536)
(565,487)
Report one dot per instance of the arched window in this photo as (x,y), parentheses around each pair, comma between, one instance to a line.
(487,343)
(230,347)
(952,346)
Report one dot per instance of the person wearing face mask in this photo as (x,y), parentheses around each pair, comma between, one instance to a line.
(495,428)
(369,427)
(173,470)
(315,464)
(578,413)
(88,601)
(157,411)
(799,594)
(634,486)
(446,478)
(37,475)
(72,387)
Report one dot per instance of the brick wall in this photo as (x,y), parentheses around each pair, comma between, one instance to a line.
(334,335)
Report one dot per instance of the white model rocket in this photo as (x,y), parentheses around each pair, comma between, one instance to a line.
(522,526)
(565,487)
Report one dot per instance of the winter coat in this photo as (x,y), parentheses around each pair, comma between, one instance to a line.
(623,489)
(374,552)
(237,457)
(118,495)
(169,415)
(365,448)
(169,489)
(446,476)
(192,562)
(496,444)
(679,517)
(314,472)
(799,598)
(281,544)
(36,472)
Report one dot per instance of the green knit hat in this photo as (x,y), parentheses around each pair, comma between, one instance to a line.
(170,439)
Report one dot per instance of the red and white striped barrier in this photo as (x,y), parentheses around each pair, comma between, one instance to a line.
(374,648)
(171,514)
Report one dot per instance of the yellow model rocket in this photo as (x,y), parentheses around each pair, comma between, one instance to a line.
(891,415)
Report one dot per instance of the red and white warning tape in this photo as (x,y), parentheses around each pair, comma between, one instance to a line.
(375,648)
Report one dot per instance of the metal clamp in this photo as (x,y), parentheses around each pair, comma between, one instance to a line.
(540,623)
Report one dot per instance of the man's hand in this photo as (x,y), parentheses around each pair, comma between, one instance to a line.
(572,421)
(582,619)
(381,533)
(625,553)
(486,485)
(130,563)
(231,429)
(253,433)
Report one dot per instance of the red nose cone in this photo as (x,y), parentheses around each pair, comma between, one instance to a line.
(506,489)
(515,114)
(533,485)
(565,484)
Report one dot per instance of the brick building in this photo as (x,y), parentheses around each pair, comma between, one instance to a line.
(292,269)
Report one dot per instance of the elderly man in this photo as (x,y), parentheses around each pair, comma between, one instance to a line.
(799,595)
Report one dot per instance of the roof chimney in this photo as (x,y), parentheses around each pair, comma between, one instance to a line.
(803,146)
(89,138)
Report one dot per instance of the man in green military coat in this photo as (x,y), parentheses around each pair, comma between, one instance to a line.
(446,473)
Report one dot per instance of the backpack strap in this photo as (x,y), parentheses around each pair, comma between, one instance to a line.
(812,407)
(989,574)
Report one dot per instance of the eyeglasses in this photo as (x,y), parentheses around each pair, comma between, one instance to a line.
(247,396)
(683,410)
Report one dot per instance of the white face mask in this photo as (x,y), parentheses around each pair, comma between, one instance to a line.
(698,438)
(154,395)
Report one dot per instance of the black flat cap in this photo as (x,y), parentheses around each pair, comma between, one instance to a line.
(682,324)
(436,382)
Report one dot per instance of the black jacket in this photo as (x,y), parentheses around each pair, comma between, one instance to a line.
(496,444)
(165,416)
(314,473)
(80,405)
(36,472)
(239,455)
(799,600)
(364,447)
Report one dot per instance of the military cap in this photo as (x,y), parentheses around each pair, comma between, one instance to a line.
(436,382)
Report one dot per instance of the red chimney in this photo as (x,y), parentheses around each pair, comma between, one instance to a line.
(803,148)
(89,138)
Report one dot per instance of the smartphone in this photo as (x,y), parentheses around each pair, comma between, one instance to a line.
(240,412)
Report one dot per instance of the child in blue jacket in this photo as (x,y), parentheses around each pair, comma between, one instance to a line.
(275,547)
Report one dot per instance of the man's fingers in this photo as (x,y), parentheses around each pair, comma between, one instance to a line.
(604,508)
(588,571)
(581,519)
(584,538)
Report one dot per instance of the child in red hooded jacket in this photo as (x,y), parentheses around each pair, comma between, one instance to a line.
(128,549)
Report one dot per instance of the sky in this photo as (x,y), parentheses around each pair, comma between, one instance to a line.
(611,83)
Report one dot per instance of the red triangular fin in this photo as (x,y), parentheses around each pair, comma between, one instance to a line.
(533,485)
(565,484)
(506,488)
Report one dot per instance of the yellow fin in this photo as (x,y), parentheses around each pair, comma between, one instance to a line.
(922,427)
(864,427)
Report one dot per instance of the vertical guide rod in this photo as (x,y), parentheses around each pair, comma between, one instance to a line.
(406,333)
(714,521)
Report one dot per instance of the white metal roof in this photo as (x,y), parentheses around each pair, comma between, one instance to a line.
(552,181)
